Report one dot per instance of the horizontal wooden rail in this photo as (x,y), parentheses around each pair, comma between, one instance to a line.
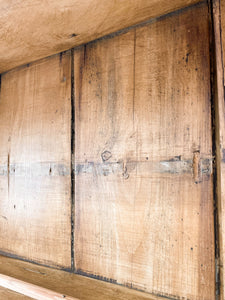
(22,277)
(33,29)
(31,290)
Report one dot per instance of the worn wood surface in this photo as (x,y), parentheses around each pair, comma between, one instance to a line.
(143,107)
(35,162)
(33,29)
(70,284)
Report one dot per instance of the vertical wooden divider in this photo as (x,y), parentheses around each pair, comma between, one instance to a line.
(72,161)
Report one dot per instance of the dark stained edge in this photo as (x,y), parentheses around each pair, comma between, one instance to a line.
(72,158)
(47,264)
(215,150)
(131,287)
(87,275)
(134,71)
(40,273)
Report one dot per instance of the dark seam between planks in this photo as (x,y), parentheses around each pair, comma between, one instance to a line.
(128,285)
(72,158)
(45,263)
(84,274)
(215,151)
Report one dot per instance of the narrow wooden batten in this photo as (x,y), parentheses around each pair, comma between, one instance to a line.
(30,290)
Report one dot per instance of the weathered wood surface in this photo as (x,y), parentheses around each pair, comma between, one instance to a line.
(34,29)
(142,106)
(35,209)
(70,284)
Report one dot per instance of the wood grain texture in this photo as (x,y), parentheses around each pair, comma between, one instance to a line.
(143,101)
(35,162)
(73,285)
(33,29)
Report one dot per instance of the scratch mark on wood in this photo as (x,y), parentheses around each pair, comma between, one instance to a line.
(34,271)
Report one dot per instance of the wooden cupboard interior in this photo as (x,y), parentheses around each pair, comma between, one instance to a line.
(112,151)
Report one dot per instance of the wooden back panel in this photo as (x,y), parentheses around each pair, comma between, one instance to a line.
(142,161)
(35,161)
(143,158)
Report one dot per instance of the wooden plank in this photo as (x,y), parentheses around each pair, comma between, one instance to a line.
(73,285)
(30,30)
(142,101)
(10,295)
(219,35)
(31,290)
(35,162)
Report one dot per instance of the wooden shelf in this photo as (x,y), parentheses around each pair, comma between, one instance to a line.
(35,30)
(10,295)
(61,282)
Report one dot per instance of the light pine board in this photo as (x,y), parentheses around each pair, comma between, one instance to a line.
(34,29)
(35,112)
(143,158)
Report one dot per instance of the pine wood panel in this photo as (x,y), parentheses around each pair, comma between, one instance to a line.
(33,29)
(143,156)
(70,284)
(35,162)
